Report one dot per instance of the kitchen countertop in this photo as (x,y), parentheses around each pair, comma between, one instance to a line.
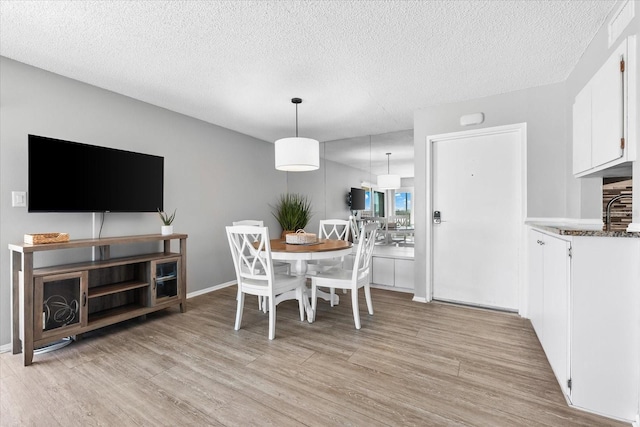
(575,230)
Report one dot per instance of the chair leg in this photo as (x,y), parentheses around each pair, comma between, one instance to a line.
(272,318)
(314,300)
(332,293)
(240,299)
(300,295)
(259,303)
(367,294)
(356,310)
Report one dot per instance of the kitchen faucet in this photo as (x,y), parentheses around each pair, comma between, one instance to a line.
(608,212)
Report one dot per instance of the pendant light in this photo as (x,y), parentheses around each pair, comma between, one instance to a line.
(297,154)
(388,181)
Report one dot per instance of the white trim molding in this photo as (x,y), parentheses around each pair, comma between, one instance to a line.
(210,289)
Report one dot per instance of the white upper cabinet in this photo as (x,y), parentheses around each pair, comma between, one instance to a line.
(600,122)
(582,131)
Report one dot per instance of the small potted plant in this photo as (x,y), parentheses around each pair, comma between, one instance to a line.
(293,212)
(167,220)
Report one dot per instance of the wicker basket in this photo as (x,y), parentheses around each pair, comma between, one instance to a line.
(39,238)
(300,238)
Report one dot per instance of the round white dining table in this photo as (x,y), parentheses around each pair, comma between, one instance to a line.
(298,255)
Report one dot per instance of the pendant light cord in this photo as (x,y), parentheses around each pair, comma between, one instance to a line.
(296,120)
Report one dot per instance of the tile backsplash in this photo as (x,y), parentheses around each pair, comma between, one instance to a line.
(621,212)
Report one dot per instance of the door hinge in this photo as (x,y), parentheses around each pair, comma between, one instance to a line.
(570,252)
(622,65)
(569,383)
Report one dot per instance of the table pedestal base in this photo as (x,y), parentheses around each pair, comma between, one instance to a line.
(299,268)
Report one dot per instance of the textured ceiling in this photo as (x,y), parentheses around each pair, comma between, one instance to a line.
(361,67)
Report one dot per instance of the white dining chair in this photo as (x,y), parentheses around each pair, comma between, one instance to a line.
(397,222)
(251,253)
(353,279)
(355,230)
(333,229)
(278,266)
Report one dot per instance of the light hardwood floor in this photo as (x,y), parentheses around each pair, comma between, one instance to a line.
(410,364)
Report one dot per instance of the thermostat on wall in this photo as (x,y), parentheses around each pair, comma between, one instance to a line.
(472,119)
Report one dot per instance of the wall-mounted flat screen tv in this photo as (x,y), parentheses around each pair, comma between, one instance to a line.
(66,176)
(357,199)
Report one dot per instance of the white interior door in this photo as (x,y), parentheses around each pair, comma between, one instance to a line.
(477,188)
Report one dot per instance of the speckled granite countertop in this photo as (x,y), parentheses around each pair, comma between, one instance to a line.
(574,230)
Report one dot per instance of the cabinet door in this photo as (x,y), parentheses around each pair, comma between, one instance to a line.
(582,131)
(536,282)
(60,303)
(607,108)
(556,312)
(605,329)
(165,281)
(404,275)
(383,271)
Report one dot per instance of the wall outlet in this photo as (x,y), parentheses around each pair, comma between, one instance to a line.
(19,199)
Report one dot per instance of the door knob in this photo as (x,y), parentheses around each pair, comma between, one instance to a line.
(436,217)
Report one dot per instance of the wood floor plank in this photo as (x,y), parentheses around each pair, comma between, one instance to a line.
(410,364)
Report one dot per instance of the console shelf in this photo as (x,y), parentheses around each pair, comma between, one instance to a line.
(50,303)
(101,291)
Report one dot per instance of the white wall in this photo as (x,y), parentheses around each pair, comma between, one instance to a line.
(327,189)
(547,110)
(212,175)
(542,108)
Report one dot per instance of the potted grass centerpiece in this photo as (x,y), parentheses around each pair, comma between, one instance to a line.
(167,220)
(293,212)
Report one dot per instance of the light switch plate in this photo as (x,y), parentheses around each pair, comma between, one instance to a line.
(19,199)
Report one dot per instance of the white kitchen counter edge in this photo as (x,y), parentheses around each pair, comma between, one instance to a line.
(576,227)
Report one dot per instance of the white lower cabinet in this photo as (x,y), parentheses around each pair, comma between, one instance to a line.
(584,304)
(394,272)
(605,331)
(383,271)
(550,278)
(404,275)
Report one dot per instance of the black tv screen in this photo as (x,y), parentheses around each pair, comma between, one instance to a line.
(67,176)
(357,199)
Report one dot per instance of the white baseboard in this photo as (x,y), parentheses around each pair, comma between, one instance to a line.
(5,348)
(420,299)
(391,288)
(210,289)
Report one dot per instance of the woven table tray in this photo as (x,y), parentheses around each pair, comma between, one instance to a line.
(301,238)
(39,238)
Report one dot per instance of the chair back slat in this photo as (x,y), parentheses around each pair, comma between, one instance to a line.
(400,220)
(362,262)
(254,222)
(355,231)
(251,252)
(334,229)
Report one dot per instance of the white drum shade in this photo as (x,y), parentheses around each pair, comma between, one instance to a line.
(297,154)
(389,182)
